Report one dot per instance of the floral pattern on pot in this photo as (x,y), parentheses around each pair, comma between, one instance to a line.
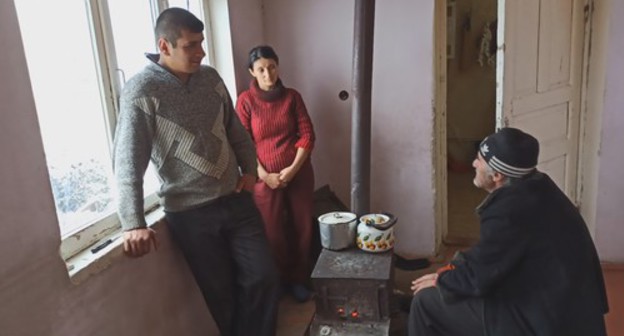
(375,242)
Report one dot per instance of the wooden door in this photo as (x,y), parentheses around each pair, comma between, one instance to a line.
(539,65)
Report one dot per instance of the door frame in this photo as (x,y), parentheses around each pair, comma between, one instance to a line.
(590,127)
(439,153)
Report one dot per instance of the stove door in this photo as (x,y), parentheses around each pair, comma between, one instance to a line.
(350,300)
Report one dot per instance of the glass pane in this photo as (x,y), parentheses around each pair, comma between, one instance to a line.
(193,6)
(69,107)
(133,36)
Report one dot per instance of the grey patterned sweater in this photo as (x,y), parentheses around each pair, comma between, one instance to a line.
(191,134)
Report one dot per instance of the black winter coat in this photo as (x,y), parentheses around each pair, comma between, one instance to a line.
(535,265)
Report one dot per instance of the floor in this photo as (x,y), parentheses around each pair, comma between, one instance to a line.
(294,317)
(614,278)
(463,198)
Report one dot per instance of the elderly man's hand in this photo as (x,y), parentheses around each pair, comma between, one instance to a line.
(423,282)
(138,242)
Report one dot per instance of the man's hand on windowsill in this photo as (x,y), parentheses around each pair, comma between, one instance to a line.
(138,242)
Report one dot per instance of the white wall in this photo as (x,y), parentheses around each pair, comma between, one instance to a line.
(314,40)
(403,96)
(153,296)
(609,231)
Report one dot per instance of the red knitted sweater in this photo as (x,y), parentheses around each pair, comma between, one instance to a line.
(278,123)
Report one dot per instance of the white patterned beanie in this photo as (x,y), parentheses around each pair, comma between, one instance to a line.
(510,152)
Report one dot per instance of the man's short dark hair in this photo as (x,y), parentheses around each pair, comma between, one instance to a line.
(172,21)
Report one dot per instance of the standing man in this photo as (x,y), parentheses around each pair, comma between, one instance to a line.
(534,271)
(178,113)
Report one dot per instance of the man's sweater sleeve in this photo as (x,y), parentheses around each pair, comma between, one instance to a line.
(132,148)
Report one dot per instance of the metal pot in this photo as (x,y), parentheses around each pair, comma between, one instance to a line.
(375,232)
(337,230)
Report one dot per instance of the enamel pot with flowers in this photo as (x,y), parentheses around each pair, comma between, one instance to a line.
(375,232)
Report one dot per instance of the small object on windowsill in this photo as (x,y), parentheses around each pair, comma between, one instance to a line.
(101,246)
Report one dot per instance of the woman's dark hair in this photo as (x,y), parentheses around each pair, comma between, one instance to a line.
(172,21)
(262,51)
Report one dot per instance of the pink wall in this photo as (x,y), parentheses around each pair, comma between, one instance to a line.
(152,296)
(315,58)
(247,30)
(314,40)
(609,233)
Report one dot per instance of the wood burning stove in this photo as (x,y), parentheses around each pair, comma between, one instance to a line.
(353,293)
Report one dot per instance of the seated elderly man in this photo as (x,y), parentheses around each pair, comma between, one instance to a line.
(534,271)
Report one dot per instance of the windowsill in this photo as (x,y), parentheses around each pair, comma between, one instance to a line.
(86,263)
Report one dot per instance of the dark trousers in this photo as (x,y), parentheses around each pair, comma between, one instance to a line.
(431,316)
(226,249)
(292,205)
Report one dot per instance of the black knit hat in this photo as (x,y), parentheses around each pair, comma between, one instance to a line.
(510,152)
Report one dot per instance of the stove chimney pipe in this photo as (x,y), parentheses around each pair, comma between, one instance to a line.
(361,110)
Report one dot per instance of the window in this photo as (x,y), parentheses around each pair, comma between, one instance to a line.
(79,59)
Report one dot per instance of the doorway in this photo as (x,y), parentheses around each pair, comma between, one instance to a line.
(532,81)
(471,107)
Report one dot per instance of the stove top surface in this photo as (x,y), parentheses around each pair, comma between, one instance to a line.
(353,264)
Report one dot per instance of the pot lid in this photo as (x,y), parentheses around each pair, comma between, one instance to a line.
(337,217)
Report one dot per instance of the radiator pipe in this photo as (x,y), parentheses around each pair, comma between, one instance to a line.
(361,109)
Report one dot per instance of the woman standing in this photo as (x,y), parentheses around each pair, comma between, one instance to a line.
(280,126)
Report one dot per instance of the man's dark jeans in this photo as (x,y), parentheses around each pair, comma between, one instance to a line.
(225,246)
